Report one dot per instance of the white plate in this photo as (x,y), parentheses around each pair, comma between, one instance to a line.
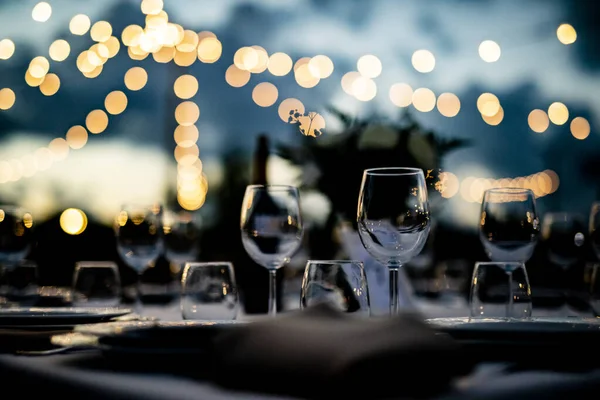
(38,317)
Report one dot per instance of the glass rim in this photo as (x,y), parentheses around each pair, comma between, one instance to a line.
(520,263)
(335,261)
(509,190)
(397,171)
(192,264)
(282,187)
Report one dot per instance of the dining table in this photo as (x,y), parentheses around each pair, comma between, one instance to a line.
(87,374)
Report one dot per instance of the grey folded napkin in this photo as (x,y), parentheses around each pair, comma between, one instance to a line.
(321,352)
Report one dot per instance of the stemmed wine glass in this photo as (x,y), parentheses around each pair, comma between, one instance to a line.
(182,238)
(509,229)
(271,227)
(564,236)
(139,241)
(393,218)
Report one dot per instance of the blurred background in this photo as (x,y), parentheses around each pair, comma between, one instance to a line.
(185,102)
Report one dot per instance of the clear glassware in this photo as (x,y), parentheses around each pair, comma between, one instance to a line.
(500,290)
(341,283)
(209,292)
(564,235)
(271,227)
(16,226)
(139,240)
(509,224)
(20,284)
(182,238)
(393,219)
(594,228)
(96,284)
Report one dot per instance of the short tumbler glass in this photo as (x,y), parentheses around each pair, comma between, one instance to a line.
(209,292)
(96,284)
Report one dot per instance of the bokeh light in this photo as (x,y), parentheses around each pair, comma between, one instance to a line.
(558,113)
(489,51)
(59,148)
(265,94)
(321,66)
(401,94)
(423,61)
(151,7)
(115,102)
(7,49)
(495,119)
(187,113)
(348,80)
(80,24)
(186,136)
(369,66)
(77,137)
(7,98)
(96,121)
(101,31)
(566,34)
(364,89)
(136,78)
(290,109)
(73,221)
(236,77)
(50,85)
(580,128)
(31,81)
(448,104)
(185,87)
(41,12)
(210,50)
(280,64)
(449,184)
(538,121)
(263,60)
(423,99)
(59,50)
(488,104)
(39,67)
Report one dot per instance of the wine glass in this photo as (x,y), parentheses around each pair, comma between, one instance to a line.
(182,238)
(564,237)
(594,228)
(393,218)
(509,224)
(15,235)
(139,241)
(271,226)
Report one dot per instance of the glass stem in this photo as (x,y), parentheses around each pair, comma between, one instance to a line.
(509,304)
(138,306)
(272,292)
(394,272)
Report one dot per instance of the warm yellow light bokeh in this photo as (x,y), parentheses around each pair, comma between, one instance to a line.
(423,61)
(41,12)
(39,67)
(164,55)
(538,121)
(186,136)
(448,104)
(304,78)
(236,77)
(580,128)
(280,64)
(73,221)
(189,42)
(187,113)
(210,50)
(131,34)
(115,102)
(7,98)
(449,184)
(96,121)
(59,50)
(423,99)
(186,155)
(265,94)
(101,31)
(113,45)
(364,89)
(7,49)
(136,78)
(495,119)
(489,51)
(31,81)
(488,104)
(80,24)
(369,66)
(50,85)
(59,148)
(263,60)
(401,94)
(290,109)
(185,59)
(558,113)
(152,7)
(321,66)
(77,137)
(566,34)
(348,81)
(185,87)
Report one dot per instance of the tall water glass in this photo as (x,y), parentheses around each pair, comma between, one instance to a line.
(182,238)
(509,224)
(271,227)
(139,241)
(393,219)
